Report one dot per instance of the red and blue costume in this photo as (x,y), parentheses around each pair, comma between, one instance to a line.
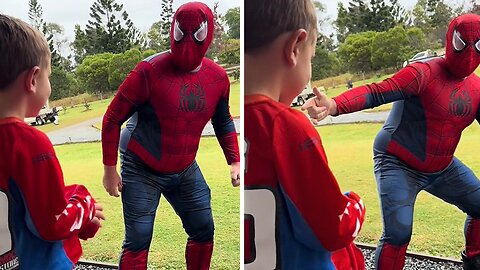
(41,220)
(434,101)
(169,98)
(295,213)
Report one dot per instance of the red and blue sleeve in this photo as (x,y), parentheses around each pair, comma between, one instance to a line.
(224,127)
(321,216)
(53,212)
(133,92)
(408,82)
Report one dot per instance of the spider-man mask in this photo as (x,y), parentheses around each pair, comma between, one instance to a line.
(191,35)
(462,52)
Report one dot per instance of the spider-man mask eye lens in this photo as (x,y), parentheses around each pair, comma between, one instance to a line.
(201,34)
(477,46)
(177,33)
(457,42)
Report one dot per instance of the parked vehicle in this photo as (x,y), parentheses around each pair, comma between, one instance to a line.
(305,95)
(420,56)
(45,115)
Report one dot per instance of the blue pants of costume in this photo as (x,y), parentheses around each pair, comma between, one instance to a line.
(187,192)
(398,186)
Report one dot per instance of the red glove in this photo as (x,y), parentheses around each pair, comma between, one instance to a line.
(89,231)
(348,258)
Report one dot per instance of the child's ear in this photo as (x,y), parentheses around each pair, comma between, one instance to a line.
(293,45)
(31,79)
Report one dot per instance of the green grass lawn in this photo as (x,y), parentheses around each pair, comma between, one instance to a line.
(81,163)
(438,226)
(76,115)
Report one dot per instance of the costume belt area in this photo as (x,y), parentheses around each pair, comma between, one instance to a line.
(169,98)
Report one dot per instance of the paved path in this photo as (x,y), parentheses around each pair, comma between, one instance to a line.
(356,117)
(85,132)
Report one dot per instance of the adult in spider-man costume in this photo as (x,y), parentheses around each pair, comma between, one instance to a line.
(434,102)
(169,99)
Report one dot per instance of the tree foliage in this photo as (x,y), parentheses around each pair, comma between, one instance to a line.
(219,40)
(389,48)
(356,52)
(93,73)
(64,84)
(35,14)
(362,16)
(120,65)
(108,30)
(159,34)
(232,20)
(433,17)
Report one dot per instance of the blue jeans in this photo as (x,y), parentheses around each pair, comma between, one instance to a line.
(187,192)
(398,186)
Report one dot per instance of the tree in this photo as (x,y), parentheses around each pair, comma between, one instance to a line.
(417,41)
(93,74)
(158,37)
(376,15)
(388,48)
(120,66)
(433,17)
(63,84)
(218,43)
(166,17)
(356,51)
(231,54)
(155,40)
(475,7)
(232,20)
(35,13)
(324,64)
(108,30)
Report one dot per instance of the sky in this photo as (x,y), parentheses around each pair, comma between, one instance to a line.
(67,13)
(143,13)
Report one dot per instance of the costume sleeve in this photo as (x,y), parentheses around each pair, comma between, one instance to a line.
(224,127)
(409,81)
(321,216)
(52,212)
(133,92)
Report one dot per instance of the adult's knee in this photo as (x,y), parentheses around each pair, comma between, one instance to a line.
(201,229)
(138,235)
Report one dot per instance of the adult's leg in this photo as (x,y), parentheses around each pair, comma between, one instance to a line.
(398,187)
(191,201)
(458,185)
(140,198)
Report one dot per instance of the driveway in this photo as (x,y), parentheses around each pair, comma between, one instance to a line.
(85,132)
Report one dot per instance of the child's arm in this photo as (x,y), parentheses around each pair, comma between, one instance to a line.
(224,127)
(321,215)
(49,214)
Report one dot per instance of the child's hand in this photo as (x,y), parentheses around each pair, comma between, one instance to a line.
(94,225)
(319,106)
(99,212)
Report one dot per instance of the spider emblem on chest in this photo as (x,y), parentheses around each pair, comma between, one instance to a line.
(460,103)
(192,99)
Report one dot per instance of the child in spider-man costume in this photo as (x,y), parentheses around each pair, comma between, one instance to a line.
(434,102)
(169,99)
